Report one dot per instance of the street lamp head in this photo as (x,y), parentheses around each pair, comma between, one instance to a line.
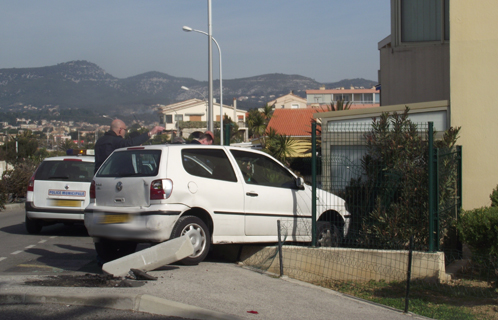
(185,88)
(187,29)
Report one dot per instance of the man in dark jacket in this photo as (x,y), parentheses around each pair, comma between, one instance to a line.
(114,139)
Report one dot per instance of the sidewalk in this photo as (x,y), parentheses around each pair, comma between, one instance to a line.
(208,291)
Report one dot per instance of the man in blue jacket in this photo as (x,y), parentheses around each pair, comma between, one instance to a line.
(114,139)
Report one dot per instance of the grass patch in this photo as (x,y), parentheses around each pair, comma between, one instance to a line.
(452,301)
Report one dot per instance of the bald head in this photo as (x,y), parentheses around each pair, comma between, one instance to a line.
(119,127)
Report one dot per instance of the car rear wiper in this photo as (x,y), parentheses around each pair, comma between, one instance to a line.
(55,177)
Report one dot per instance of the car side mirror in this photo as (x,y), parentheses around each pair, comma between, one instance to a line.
(300,183)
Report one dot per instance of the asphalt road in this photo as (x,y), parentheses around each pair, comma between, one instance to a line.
(57,249)
(212,289)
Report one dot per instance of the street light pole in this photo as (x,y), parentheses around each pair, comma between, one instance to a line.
(210,69)
(188,29)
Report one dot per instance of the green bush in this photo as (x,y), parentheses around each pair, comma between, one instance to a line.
(14,183)
(479,229)
(389,201)
(494,197)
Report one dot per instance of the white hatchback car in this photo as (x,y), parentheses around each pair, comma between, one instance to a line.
(58,191)
(213,194)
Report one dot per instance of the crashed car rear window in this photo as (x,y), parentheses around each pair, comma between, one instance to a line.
(65,171)
(131,163)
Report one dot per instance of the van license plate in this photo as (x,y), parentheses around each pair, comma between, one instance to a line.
(115,218)
(67,203)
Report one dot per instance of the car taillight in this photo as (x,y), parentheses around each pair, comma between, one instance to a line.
(92,190)
(31,183)
(161,189)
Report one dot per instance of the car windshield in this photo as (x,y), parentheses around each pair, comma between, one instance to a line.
(131,163)
(81,171)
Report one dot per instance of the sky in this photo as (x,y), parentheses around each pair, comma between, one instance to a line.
(326,40)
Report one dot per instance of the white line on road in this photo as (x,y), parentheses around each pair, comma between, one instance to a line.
(3,258)
(16,252)
(30,246)
(53,237)
(42,241)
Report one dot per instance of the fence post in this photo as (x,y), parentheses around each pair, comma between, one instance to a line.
(436,201)
(409,274)
(431,186)
(459,177)
(313,184)
(227,133)
(281,262)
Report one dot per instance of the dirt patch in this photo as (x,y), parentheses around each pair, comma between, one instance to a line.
(87,280)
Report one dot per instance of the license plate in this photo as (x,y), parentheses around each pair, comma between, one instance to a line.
(67,203)
(115,218)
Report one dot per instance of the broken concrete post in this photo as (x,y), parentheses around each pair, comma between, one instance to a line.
(151,258)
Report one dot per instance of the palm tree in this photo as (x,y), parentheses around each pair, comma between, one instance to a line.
(66,144)
(256,123)
(268,112)
(339,105)
(279,146)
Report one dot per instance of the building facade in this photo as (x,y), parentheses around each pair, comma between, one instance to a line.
(289,101)
(442,50)
(360,98)
(186,117)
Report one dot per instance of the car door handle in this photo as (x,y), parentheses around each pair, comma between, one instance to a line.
(251,194)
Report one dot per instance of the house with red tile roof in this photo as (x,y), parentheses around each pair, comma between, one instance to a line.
(295,123)
(289,101)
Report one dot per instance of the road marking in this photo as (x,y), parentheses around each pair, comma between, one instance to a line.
(53,237)
(16,252)
(35,266)
(3,258)
(42,241)
(30,246)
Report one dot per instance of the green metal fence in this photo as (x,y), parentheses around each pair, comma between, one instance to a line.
(401,182)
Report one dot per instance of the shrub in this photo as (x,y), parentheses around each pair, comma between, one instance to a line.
(14,183)
(494,197)
(389,201)
(479,229)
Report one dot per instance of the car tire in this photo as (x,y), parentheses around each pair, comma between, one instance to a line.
(199,235)
(328,235)
(108,250)
(33,226)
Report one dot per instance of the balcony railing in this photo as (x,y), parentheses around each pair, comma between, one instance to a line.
(203,124)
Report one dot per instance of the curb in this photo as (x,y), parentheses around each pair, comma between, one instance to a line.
(138,303)
(13,206)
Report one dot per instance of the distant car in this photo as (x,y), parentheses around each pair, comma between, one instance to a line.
(213,194)
(58,191)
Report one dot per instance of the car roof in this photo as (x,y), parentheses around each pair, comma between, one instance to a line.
(190,146)
(184,146)
(77,158)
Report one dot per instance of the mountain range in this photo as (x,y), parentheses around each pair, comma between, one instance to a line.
(84,85)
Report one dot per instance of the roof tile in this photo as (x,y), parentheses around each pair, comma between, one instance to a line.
(292,122)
